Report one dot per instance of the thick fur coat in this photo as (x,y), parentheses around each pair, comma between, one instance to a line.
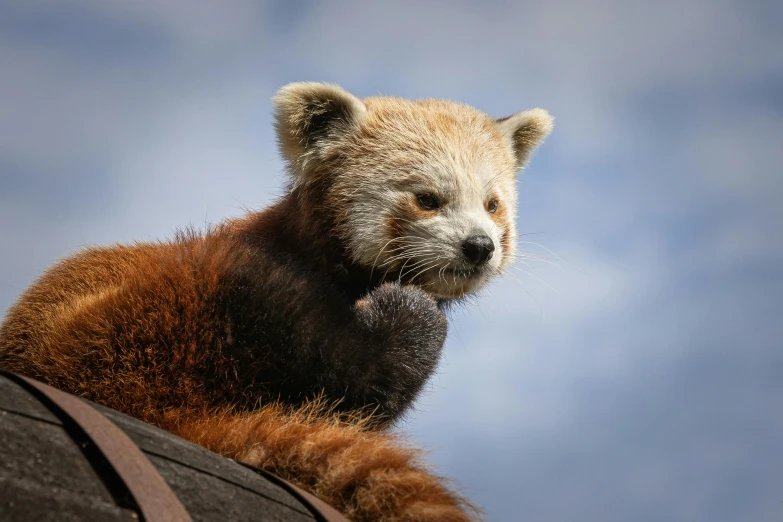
(290,338)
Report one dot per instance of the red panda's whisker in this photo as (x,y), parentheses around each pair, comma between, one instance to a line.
(402,269)
(428,267)
(557,257)
(407,248)
(408,253)
(408,258)
(421,267)
(380,252)
(441,272)
(415,265)
(530,274)
(403,255)
(521,285)
(532,257)
(372,269)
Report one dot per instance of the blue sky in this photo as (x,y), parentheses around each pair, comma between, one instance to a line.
(639,381)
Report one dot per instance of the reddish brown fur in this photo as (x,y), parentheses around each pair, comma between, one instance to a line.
(371,475)
(499,216)
(395,228)
(80,314)
(410,211)
(505,241)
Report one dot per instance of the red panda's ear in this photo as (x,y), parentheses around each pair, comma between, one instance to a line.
(310,117)
(525,131)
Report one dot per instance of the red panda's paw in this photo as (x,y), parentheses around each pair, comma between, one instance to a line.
(403,311)
(408,331)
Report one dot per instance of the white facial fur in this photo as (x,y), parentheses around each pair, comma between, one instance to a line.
(389,231)
(379,154)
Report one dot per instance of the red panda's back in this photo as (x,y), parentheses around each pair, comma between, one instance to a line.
(89,323)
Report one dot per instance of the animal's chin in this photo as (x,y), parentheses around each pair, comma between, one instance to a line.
(441,282)
(454,283)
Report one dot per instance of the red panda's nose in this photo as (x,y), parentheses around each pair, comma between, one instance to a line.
(478,249)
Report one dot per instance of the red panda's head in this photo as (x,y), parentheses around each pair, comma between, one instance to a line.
(422,190)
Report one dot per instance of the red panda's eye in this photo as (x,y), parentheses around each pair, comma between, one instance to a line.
(428,201)
(492,206)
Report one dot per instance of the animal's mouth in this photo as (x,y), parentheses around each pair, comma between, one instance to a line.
(451,281)
(454,282)
(460,273)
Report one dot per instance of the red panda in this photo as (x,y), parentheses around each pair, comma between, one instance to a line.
(234,337)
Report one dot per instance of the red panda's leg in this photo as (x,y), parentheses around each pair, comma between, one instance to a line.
(368,475)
